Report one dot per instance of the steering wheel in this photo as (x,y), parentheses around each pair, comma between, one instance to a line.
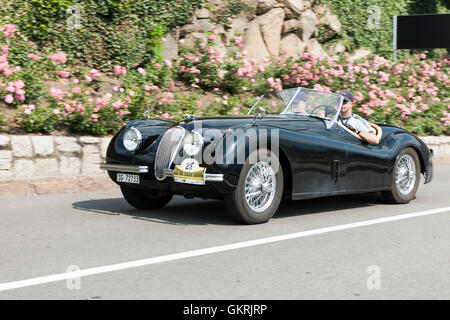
(328,109)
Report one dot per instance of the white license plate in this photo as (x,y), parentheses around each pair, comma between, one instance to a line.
(129,178)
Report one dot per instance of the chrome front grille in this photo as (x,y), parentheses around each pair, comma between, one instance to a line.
(169,145)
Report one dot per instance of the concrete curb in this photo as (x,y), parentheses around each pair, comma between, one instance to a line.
(37,186)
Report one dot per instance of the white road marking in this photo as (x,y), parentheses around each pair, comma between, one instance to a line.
(211,250)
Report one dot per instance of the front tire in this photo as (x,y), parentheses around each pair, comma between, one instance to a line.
(141,199)
(405,178)
(259,190)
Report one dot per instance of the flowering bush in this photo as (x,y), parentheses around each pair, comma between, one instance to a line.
(200,66)
(413,93)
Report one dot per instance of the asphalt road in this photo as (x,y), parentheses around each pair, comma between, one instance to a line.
(50,234)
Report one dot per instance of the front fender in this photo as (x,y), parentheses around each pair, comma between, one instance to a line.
(405,140)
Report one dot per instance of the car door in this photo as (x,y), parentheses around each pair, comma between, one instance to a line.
(318,161)
(366,166)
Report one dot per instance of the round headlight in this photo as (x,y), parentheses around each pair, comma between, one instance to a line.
(132,139)
(193,143)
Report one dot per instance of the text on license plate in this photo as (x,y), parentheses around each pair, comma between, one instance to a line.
(130,178)
(191,177)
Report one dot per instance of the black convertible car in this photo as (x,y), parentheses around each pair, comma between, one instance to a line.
(290,145)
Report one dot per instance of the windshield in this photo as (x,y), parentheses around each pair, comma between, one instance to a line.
(302,101)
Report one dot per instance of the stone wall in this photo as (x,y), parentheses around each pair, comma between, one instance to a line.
(32,165)
(268,27)
(440,146)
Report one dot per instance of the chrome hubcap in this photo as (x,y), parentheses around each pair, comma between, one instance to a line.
(405,175)
(260,185)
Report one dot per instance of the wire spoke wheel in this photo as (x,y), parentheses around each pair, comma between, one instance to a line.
(260,186)
(258,193)
(405,175)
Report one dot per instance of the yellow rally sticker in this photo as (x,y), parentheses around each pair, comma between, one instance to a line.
(198,174)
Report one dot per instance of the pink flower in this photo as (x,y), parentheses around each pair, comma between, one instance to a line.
(157,66)
(63,74)
(5,49)
(76,90)
(117,104)
(8,29)
(56,93)
(118,70)
(9,99)
(19,84)
(33,57)
(165,116)
(168,63)
(142,71)
(59,57)
(94,73)
(56,111)
(28,111)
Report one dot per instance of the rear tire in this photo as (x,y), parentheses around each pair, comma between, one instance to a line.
(259,190)
(141,199)
(405,178)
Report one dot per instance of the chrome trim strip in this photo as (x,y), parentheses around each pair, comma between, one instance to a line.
(214,177)
(254,105)
(178,146)
(166,151)
(124,168)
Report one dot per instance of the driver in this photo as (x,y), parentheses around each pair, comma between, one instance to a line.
(355,122)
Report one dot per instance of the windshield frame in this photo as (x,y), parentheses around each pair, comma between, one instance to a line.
(328,122)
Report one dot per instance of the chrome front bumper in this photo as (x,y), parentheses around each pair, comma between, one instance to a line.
(214,177)
(124,168)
